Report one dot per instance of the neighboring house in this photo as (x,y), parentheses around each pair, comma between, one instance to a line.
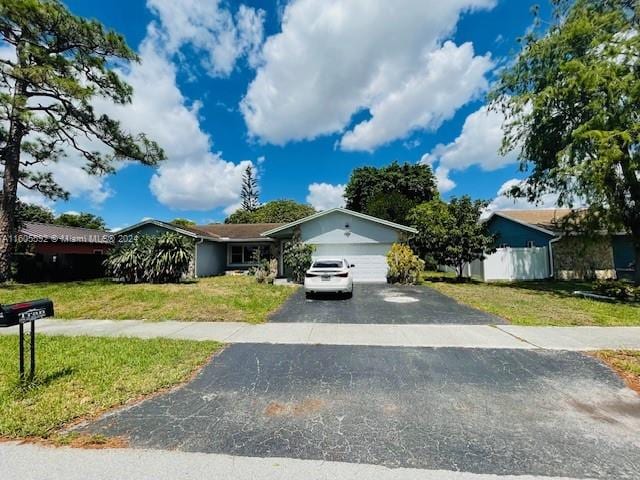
(363,240)
(532,245)
(48,252)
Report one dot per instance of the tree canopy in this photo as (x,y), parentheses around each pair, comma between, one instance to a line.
(276,211)
(390,192)
(451,233)
(82,220)
(572,105)
(59,64)
(183,222)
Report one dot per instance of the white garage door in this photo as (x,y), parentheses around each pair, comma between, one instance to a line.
(369,259)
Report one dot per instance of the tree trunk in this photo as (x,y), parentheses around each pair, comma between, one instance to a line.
(636,274)
(11,160)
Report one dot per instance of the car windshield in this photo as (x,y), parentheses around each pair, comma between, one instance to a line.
(327,264)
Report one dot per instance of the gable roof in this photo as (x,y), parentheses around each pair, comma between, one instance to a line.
(546,220)
(363,216)
(64,234)
(193,232)
(238,231)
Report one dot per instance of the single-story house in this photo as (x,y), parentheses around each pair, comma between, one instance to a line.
(362,239)
(47,252)
(532,245)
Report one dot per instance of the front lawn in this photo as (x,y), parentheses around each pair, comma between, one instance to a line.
(538,303)
(214,299)
(82,376)
(626,363)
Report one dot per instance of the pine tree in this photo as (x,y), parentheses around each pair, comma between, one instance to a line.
(250,191)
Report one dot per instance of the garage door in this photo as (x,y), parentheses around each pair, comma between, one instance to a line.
(369,259)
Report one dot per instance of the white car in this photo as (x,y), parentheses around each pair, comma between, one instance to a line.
(329,275)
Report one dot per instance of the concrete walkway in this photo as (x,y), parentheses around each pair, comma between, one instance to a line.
(33,462)
(464,336)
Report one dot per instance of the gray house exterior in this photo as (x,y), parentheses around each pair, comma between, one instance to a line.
(363,240)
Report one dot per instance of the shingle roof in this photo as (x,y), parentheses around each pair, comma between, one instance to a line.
(547,219)
(237,231)
(64,234)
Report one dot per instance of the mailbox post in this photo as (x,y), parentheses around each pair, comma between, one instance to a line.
(19,314)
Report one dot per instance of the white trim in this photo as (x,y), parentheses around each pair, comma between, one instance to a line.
(535,227)
(387,223)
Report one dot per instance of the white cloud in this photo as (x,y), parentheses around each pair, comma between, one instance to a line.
(323,196)
(477,144)
(333,59)
(193,177)
(451,77)
(503,202)
(210,28)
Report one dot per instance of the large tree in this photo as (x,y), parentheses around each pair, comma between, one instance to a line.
(82,220)
(451,233)
(276,211)
(390,192)
(572,105)
(59,64)
(250,193)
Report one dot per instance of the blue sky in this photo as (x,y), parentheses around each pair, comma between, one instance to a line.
(306,91)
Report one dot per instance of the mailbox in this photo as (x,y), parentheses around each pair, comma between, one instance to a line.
(21,313)
(24,312)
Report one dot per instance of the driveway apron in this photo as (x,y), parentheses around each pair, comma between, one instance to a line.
(473,410)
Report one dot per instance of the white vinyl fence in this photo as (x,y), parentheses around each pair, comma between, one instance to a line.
(512,264)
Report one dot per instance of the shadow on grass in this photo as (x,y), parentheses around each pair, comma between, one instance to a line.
(40,381)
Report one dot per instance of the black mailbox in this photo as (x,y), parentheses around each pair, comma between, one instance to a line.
(24,312)
(21,313)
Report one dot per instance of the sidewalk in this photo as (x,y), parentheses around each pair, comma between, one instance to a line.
(34,462)
(463,336)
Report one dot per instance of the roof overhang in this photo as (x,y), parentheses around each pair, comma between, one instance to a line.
(363,216)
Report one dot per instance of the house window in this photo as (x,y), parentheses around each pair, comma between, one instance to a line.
(531,244)
(236,253)
(245,254)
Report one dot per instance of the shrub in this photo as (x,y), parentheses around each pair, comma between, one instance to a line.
(617,289)
(404,266)
(297,256)
(169,258)
(161,259)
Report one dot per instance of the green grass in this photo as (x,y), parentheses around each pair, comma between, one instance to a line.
(538,303)
(83,376)
(215,299)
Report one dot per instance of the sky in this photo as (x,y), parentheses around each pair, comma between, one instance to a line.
(305,91)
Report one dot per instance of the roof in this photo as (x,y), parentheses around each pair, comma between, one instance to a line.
(193,232)
(64,234)
(387,223)
(238,231)
(546,220)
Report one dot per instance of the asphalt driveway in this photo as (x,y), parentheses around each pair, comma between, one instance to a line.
(381,303)
(483,411)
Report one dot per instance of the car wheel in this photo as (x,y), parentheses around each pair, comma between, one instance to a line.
(350,294)
(307,295)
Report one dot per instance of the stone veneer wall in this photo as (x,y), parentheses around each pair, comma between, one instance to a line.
(583,258)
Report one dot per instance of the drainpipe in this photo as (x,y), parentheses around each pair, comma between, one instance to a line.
(195,260)
(551,265)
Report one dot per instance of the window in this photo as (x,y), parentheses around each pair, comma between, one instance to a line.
(328,264)
(531,244)
(244,254)
(236,254)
